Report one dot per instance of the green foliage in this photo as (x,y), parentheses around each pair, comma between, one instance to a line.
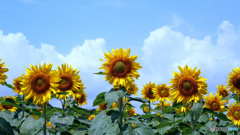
(5,127)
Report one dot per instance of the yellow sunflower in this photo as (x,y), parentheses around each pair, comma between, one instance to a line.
(183,109)
(162,92)
(102,107)
(146,109)
(40,83)
(215,102)
(147,92)
(8,107)
(187,85)
(70,80)
(50,125)
(234,81)
(159,105)
(131,112)
(119,67)
(82,99)
(223,91)
(132,88)
(91,117)
(77,94)
(233,113)
(3,76)
(17,86)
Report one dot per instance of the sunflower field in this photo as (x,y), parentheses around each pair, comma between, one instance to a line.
(179,109)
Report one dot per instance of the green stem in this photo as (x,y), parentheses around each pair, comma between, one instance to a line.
(149,105)
(23,108)
(63,107)
(45,119)
(120,118)
(192,118)
(162,107)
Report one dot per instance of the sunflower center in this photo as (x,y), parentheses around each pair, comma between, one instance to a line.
(8,107)
(150,93)
(163,93)
(236,114)
(65,83)
(224,94)
(214,105)
(18,86)
(40,83)
(187,86)
(236,81)
(120,68)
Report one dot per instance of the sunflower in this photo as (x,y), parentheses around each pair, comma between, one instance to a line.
(223,91)
(159,105)
(215,102)
(91,117)
(147,92)
(183,109)
(77,94)
(119,67)
(234,81)
(17,86)
(50,125)
(70,80)
(162,92)
(40,83)
(131,112)
(102,107)
(82,99)
(3,76)
(132,88)
(8,107)
(146,109)
(233,113)
(187,85)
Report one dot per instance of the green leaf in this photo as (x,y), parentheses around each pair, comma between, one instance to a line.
(137,99)
(7,116)
(10,103)
(31,126)
(8,85)
(58,118)
(185,128)
(163,130)
(223,123)
(220,115)
(62,93)
(203,118)
(5,127)
(195,133)
(111,97)
(99,73)
(143,130)
(114,128)
(163,124)
(100,124)
(148,115)
(168,116)
(99,99)
(197,109)
(230,96)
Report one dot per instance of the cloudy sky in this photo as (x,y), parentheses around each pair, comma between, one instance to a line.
(163,34)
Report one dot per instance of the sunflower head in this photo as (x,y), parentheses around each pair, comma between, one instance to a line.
(8,107)
(102,107)
(234,81)
(132,88)
(39,83)
(91,117)
(70,80)
(50,125)
(233,113)
(215,102)
(148,93)
(131,112)
(165,105)
(17,86)
(162,92)
(188,85)
(3,76)
(119,67)
(82,99)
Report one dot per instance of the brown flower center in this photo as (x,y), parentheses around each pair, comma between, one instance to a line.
(65,83)
(236,114)
(40,83)
(7,107)
(187,86)
(215,106)
(18,85)
(236,81)
(224,93)
(164,93)
(150,93)
(120,68)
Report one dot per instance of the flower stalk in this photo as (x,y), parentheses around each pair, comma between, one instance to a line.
(45,119)
(121,114)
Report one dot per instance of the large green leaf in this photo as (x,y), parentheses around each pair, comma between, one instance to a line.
(220,115)
(137,99)
(31,126)
(197,109)
(99,99)
(163,124)
(111,97)
(163,130)
(58,118)
(203,118)
(113,129)
(100,124)
(5,127)
(7,116)
(143,130)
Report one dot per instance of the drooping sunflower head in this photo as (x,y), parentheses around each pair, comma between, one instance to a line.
(165,105)
(131,112)
(233,113)
(214,102)
(102,107)
(8,107)
(91,117)
(3,76)
(132,88)
(119,67)
(187,85)
(162,92)
(82,99)
(223,91)
(148,93)
(80,90)
(17,86)
(70,80)
(39,83)
(234,81)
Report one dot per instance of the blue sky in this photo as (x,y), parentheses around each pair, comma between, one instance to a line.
(164,34)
